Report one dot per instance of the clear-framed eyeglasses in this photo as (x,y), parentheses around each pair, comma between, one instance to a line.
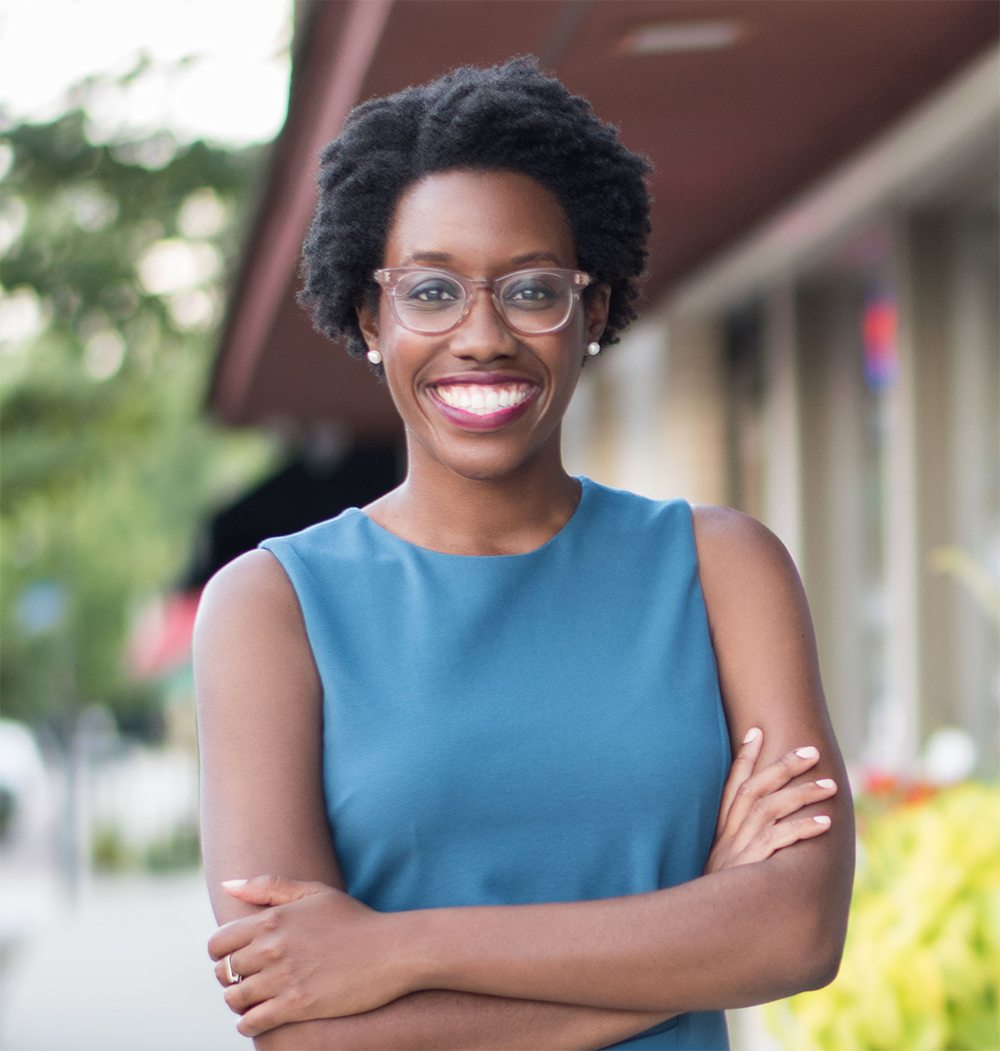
(531,302)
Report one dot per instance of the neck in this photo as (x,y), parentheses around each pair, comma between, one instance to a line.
(436,508)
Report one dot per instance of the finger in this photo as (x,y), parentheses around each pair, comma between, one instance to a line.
(240,964)
(270,890)
(278,1009)
(260,1019)
(232,936)
(740,771)
(248,993)
(769,779)
(778,806)
(781,804)
(797,829)
(782,835)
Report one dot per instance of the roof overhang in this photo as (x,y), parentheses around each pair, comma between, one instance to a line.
(739,103)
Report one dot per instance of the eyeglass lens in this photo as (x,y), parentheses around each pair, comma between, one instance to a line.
(529,301)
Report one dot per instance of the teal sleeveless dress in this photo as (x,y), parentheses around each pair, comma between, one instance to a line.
(511,729)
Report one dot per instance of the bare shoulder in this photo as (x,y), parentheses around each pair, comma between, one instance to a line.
(741,562)
(252,585)
(729,538)
(250,626)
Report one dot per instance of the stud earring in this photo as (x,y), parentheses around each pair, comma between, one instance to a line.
(593,348)
(374,356)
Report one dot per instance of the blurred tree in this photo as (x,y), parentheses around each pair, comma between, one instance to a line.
(113,270)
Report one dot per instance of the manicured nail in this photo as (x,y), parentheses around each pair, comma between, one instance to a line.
(752,734)
(807,753)
(826,782)
(821,819)
(233,884)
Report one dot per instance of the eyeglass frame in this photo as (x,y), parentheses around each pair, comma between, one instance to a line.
(388,277)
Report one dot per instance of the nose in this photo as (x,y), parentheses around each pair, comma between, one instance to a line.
(483,334)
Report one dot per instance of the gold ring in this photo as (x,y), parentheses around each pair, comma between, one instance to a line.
(234,977)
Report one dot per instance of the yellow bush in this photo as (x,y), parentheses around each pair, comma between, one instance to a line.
(921,966)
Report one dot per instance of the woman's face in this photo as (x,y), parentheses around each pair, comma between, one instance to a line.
(514,387)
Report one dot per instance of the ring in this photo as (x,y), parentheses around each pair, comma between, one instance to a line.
(234,977)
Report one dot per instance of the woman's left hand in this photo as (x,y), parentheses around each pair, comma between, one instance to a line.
(313,952)
(765,810)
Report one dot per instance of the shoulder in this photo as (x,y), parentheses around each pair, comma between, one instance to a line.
(249,611)
(742,564)
(252,584)
(729,540)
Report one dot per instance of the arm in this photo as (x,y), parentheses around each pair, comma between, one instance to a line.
(316,952)
(259,714)
(785,918)
(731,938)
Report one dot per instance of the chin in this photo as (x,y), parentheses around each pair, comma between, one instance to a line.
(485,464)
(486,469)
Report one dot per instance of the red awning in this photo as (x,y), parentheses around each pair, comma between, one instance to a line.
(161,637)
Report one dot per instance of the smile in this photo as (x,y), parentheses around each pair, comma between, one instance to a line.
(483,406)
(482,399)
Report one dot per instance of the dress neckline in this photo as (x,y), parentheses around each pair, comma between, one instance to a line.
(567,527)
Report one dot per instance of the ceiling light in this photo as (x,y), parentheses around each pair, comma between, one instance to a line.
(660,38)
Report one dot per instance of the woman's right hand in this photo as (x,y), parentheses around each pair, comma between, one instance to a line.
(759,813)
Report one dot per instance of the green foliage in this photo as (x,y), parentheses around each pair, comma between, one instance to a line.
(920,966)
(179,850)
(109,852)
(114,273)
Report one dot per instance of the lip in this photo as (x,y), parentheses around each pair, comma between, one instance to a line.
(472,421)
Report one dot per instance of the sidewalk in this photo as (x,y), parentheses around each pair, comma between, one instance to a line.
(128,971)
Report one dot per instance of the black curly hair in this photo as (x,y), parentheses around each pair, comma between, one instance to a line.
(510,117)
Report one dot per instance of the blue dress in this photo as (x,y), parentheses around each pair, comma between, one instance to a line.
(510,729)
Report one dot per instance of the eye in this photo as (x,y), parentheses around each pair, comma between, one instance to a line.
(532,292)
(430,291)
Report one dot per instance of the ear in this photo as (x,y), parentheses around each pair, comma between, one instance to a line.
(368,323)
(597,302)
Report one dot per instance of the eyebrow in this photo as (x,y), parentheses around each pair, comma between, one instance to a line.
(519,260)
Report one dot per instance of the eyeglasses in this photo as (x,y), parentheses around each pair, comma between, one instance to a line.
(531,302)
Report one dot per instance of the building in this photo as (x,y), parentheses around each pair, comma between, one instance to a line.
(820,337)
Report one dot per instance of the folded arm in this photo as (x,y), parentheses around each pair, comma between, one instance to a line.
(734,937)
(744,935)
(260,729)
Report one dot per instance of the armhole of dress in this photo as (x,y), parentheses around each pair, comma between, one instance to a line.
(289,553)
(720,707)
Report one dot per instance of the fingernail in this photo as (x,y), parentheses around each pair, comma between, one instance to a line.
(752,734)
(807,753)
(233,884)
(826,782)
(821,819)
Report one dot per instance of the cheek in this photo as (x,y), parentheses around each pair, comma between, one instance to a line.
(403,354)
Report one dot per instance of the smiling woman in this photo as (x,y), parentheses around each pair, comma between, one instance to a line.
(507,758)
(487,226)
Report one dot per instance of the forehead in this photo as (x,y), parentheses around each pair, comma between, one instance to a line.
(481,220)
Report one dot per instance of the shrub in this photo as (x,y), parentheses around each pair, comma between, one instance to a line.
(920,966)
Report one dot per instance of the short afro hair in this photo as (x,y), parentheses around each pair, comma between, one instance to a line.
(510,117)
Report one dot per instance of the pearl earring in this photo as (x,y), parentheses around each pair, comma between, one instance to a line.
(374,356)
(593,348)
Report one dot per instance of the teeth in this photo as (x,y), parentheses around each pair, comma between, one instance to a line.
(483,399)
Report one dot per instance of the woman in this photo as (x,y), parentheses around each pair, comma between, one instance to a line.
(509,694)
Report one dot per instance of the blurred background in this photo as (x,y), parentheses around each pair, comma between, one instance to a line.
(818,346)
